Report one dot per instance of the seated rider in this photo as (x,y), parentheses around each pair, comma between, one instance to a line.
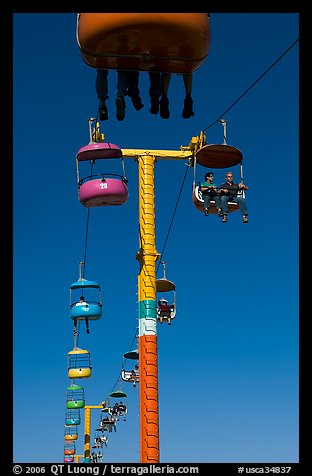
(82,302)
(209,192)
(121,407)
(229,192)
(164,309)
(115,409)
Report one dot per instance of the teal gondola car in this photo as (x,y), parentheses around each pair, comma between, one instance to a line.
(72,417)
(91,307)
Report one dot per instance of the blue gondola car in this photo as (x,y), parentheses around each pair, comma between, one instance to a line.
(90,307)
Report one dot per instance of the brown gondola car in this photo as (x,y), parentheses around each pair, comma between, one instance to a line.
(216,156)
(166,42)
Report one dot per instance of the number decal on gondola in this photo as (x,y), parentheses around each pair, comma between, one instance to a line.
(103,185)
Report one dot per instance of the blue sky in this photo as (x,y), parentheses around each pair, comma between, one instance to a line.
(228,364)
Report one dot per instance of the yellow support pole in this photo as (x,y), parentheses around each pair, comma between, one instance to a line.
(160,154)
(87,430)
(148,357)
(147,257)
(87,427)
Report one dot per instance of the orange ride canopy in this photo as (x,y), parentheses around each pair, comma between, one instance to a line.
(165,42)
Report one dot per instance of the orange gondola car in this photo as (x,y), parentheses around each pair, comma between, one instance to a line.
(165,42)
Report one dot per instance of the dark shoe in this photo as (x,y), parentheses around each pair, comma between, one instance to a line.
(245,219)
(154,105)
(220,214)
(206,212)
(188,108)
(87,331)
(137,103)
(164,107)
(224,219)
(103,113)
(121,108)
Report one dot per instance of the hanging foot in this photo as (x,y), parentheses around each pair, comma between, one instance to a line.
(164,107)
(121,108)
(188,108)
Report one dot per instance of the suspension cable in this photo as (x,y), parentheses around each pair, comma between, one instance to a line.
(253,84)
(87,230)
(86,242)
(174,212)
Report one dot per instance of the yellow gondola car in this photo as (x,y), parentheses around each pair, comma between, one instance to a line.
(79,363)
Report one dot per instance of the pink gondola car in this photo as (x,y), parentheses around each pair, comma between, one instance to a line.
(101,189)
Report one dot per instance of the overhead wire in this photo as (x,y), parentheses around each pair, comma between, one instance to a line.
(86,243)
(172,218)
(253,84)
(87,231)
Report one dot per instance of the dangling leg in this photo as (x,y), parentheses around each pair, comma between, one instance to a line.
(224,205)
(101,87)
(164,101)
(206,198)
(75,333)
(187,111)
(121,93)
(133,89)
(218,205)
(154,91)
(87,326)
(243,208)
